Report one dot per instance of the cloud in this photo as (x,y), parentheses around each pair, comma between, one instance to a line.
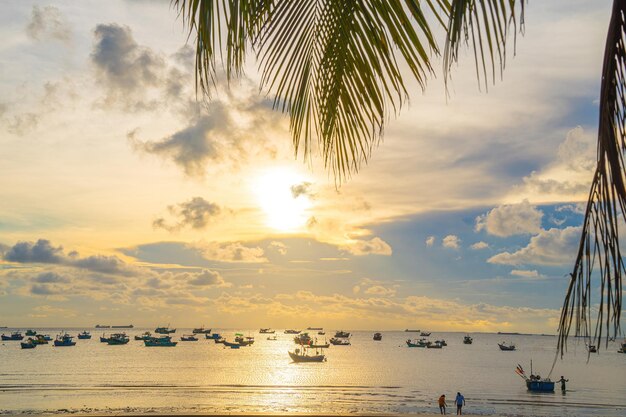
(451,242)
(554,247)
(104,264)
(48,23)
(525,273)
(231,252)
(21,124)
(430,241)
(304,188)
(50,277)
(207,278)
(124,68)
(40,252)
(195,213)
(380,291)
(479,245)
(374,246)
(279,247)
(511,219)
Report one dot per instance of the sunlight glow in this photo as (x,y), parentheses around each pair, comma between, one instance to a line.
(284,211)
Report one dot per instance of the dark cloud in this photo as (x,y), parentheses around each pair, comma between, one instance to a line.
(48,23)
(195,213)
(125,68)
(50,277)
(40,252)
(45,253)
(22,123)
(44,289)
(193,147)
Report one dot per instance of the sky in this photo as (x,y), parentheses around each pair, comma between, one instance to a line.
(125,197)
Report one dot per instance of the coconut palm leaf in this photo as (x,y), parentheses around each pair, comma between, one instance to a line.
(335,65)
(599,256)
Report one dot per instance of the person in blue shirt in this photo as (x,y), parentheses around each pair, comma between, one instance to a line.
(460,402)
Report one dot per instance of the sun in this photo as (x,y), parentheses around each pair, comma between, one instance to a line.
(285,209)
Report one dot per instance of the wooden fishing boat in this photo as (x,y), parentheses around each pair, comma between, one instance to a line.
(118,339)
(425,334)
(421,343)
(378,337)
(442,342)
(291,331)
(64,340)
(201,330)
(84,335)
(13,336)
(30,332)
(267,331)
(159,342)
(164,330)
(188,338)
(434,345)
(467,340)
(143,336)
(341,333)
(212,336)
(506,347)
(303,339)
(338,341)
(28,344)
(303,355)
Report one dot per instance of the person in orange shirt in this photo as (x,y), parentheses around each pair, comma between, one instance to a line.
(442,404)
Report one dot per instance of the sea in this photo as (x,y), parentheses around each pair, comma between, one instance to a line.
(367,377)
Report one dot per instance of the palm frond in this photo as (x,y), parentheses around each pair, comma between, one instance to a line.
(485,25)
(599,256)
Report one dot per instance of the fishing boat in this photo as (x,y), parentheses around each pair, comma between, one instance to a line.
(159,342)
(118,339)
(164,330)
(535,383)
(412,330)
(244,341)
(28,344)
(231,344)
(30,332)
(378,336)
(291,331)
(623,348)
(143,336)
(84,335)
(102,326)
(425,334)
(267,331)
(442,342)
(64,340)
(201,330)
(506,347)
(467,340)
(316,345)
(434,345)
(341,333)
(321,333)
(39,340)
(13,336)
(220,340)
(339,341)
(303,339)
(104,338)
(303,355)
(212,336)
(272,337)
(421,343)
(188,338)
(592,348)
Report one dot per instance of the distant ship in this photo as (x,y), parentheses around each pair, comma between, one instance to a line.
(102,326)
(128,326)
(412,330)
(315,328)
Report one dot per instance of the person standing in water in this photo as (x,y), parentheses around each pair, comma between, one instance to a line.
(442,404)
(563,381)
(460,402)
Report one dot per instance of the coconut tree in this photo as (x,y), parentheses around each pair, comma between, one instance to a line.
(335,67)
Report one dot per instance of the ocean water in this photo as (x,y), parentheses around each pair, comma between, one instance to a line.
(366,377)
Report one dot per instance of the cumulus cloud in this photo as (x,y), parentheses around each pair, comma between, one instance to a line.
(43,252)
(451,242)
(279,247)
(569,176)
(231,252)
(511,219)
(196,213)
(207,278)
(50,277)
(124,68)
(48,23)
(374,246)
(479,245)
(430,241)
(380,291)
(553,247)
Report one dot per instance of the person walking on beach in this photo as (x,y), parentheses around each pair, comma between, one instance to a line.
(442,404)
(460,402)
(563,381)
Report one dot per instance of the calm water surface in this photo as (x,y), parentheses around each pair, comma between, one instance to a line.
(367,377)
